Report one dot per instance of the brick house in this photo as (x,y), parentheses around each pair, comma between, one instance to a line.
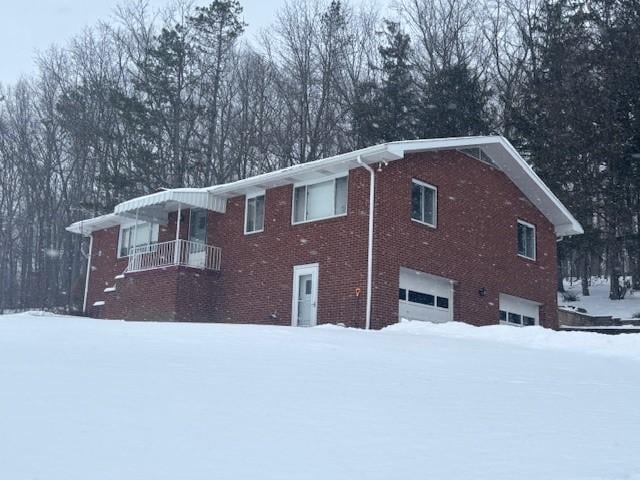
(444,229)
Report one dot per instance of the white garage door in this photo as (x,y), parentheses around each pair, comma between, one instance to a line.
(425,297)
(518,311)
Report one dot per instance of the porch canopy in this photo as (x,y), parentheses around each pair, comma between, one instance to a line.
(154,208)
(157,206)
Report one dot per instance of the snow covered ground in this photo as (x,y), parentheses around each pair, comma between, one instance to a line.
(598,302)
(88,399)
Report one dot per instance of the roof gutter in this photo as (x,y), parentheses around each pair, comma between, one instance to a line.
(372,193)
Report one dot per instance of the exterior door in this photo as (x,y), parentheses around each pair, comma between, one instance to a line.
(305,295)
(196,248)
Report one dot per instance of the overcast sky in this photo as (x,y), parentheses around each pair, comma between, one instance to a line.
(27,26)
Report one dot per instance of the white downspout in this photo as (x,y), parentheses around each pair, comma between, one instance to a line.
(86,280)
(176,252)
(372,194)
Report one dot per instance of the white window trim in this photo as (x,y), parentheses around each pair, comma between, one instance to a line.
(155,232)
(246,210)
(328,178)
(535,240)
(435,203)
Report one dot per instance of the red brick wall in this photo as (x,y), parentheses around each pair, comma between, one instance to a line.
(165,294)
(257,269)
(474,242)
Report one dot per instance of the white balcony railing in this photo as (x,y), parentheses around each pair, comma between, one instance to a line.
(175,252)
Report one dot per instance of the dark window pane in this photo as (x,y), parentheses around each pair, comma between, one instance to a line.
(260,212)
(530,243)
(341,196)
(442,302)
(522,249)
(422,298)
(402,294)
(251,207)
(428,196)
(503,316)
(515,318)
(528,321)
(299,204)
(416,201)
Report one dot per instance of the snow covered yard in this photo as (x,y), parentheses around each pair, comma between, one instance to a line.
(89,399)
(598,303)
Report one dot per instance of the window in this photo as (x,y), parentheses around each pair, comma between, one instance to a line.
(320,200)
(423,203)
(526,240)
(134,239)
(528,321)
(254,214)
(423,298)
(503,316)
(514,318)
(442,302)
(402,294)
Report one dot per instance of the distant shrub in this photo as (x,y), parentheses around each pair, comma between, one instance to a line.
(569,296)
(636,315)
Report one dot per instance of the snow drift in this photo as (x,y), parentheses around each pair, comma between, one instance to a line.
(87,399)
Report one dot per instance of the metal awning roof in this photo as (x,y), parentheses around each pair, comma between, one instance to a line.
(85,227)
(171,200)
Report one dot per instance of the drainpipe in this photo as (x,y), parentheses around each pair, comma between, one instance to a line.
(176,251)
(86,280)
(372,194)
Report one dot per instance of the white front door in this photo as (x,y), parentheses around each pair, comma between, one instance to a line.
(305,295)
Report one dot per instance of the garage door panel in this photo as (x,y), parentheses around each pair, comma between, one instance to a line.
(519,311)
(424,297)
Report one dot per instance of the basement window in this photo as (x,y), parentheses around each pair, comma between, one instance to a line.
(319,200)
(423,203)
(526,240)
(254,214)
(139,239)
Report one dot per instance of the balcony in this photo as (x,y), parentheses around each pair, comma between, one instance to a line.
(174,253)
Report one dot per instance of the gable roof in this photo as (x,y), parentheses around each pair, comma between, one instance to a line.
(495,149)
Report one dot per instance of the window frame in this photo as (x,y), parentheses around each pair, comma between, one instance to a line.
(154,233)
(330,178)
(535,240)
(424,185)
(246,211)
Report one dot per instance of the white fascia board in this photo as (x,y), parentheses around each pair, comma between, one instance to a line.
(303,171)
(86,227)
